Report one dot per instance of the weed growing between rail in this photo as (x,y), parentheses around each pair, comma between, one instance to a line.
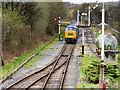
(17,61)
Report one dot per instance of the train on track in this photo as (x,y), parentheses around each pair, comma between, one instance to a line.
(71,32)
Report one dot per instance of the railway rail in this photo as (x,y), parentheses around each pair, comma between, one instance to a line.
(5,78)
(51,76)
(90,32)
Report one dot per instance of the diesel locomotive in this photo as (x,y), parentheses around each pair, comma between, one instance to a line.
(71,33)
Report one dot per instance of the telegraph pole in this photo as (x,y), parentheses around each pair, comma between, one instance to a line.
(59,27)
(83,41)
(102,50)
(78,17)
(103,22)
(84,14)
(89,10)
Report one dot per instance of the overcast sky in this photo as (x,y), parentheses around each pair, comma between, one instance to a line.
(87,1)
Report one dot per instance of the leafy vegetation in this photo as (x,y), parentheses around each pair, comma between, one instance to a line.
(26,24)
(91,70)
(19,60)
(86,61)
(118,59)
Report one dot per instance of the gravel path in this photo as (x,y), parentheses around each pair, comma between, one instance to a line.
(73,74)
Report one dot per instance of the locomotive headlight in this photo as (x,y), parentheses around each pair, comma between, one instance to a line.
(66,29)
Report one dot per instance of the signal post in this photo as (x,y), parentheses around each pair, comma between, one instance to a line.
(58,25)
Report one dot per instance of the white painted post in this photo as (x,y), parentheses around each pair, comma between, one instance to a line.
(59,28)
(102,51)
(89,16)
(78,17)
(83,41)
(83,36)
(89,11)
(103,18)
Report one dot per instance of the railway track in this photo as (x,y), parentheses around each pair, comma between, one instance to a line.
(32,56)
(91,35)
(51,76)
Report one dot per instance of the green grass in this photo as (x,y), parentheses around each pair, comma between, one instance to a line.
(87,85)
(65,22)
(95,30)
(85,63)
(4,71)
(19,60)
(118,59)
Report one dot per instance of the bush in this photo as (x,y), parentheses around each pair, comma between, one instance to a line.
(93,71)
(26,24)
(12,26)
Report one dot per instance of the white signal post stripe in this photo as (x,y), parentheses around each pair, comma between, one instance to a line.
(103,19)
(78,17)
(83,36)
(89,15)
(59,28)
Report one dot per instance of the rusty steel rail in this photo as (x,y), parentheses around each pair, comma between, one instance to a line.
(66,62)
(5,78)
(50,73)
(40,69)
(92,35)
(64,71)
(93,43)
(36,79)
(45,75)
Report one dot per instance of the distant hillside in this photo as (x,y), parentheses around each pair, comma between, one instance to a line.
(68,4)
(109,4)
(112,4)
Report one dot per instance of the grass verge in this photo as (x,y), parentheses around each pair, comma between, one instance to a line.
(96,31)
(118,58)
(86,61)
(17,61)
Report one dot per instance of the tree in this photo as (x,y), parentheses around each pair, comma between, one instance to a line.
(25,23)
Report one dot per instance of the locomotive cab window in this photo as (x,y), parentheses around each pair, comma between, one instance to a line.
(70,28)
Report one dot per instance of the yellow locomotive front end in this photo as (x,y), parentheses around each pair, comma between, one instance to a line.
(70,33)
